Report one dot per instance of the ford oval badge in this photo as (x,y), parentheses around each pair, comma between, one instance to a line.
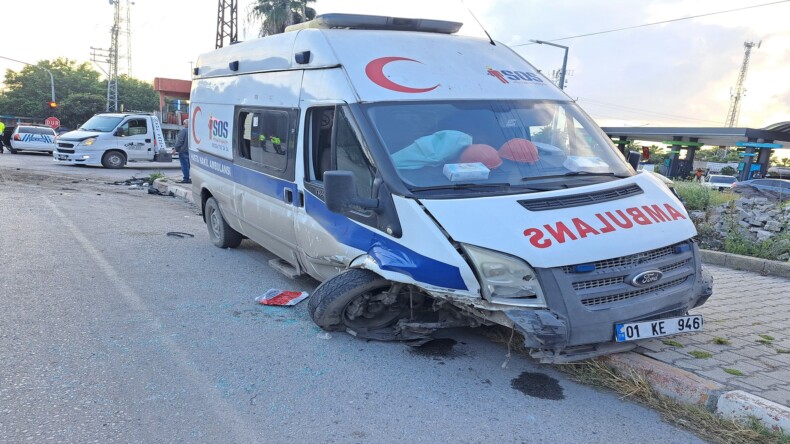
(646,278)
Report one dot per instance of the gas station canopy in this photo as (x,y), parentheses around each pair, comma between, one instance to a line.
(776,133)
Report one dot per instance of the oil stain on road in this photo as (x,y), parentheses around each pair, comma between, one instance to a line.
(538,385)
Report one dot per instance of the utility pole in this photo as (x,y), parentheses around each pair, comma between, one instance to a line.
(735,97)
(227,22)
(564,70)
(120,27)
(112,81)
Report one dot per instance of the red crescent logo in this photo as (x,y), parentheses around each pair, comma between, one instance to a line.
(375,72)
(193,125)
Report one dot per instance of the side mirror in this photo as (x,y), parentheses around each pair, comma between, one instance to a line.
(633,158)
(118,132)
(340,193)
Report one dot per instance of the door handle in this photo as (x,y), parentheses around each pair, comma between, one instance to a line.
(288,195)
(301,199)
(147,140)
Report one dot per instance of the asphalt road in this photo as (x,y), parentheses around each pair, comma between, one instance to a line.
(113,331)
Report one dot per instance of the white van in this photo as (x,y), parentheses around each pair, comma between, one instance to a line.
(112,140)
(432,180)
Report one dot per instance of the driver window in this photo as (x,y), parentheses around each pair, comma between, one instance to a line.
(134,127)
(350,156)
(335,145)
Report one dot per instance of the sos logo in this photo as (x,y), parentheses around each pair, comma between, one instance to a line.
(218,128)
(506,76)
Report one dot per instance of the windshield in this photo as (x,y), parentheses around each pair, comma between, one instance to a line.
(518,144)
(103,124)
(722,179)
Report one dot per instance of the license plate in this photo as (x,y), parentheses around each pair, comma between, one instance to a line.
(62,157)
(655,329)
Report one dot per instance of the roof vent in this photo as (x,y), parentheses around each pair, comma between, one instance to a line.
(377,22)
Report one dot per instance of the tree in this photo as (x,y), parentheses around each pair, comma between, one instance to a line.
(136,95)
(81,107)
(78,90)
(275,15)
(28,91)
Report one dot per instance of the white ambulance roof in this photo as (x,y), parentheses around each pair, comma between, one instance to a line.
(390,65)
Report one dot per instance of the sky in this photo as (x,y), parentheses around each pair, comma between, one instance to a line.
(673,74)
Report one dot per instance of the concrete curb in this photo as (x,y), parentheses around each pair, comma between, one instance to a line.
(166,187)
(688,388)
(746,263)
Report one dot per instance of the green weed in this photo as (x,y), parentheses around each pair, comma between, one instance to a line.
(733,371)
(700,354)
(721,341)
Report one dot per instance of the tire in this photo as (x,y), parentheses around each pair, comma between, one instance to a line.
(12,151)
(332,303)
(113,160)
(220,233)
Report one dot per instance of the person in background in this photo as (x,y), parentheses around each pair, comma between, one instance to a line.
(2,135)
(698,175)
(182,148)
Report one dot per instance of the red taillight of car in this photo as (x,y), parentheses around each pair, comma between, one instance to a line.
(17,137)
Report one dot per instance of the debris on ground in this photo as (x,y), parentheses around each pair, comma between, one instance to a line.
(281,297)
(179,234)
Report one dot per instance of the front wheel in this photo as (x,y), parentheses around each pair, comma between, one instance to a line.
(221,234)
(113,160)
(357,300)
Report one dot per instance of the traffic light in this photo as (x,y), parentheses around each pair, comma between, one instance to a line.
(52,104)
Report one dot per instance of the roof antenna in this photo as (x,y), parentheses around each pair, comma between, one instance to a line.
(478,22)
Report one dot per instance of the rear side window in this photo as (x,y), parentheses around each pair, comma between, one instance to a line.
(36,130)
(265,138)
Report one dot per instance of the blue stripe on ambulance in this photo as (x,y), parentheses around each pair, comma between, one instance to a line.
(390,255)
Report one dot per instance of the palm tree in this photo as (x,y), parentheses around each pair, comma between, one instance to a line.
(275,15)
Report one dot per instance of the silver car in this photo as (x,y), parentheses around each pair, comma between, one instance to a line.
(32,138)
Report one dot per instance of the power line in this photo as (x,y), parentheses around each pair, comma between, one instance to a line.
(657,23)
(643,111)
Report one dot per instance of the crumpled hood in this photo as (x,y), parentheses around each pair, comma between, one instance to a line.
(573,233)
(78,135)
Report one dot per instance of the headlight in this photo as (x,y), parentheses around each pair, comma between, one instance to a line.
(89,142)
(506,279)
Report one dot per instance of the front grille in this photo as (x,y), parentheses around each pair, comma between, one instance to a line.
(578,200)
(626,261)
(64,151)
(608,299)
(597,283)
(65,145)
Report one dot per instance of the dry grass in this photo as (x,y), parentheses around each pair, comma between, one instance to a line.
(634,386)
(706,425)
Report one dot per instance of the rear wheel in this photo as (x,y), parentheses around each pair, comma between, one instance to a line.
(357,300)
(221,234)
(113,159)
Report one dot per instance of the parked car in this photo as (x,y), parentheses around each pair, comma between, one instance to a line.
(775,185)
(719,182)
(32,138)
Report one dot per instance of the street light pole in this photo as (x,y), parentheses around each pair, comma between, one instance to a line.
(51,78)
(564,59)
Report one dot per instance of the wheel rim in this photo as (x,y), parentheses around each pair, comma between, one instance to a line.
(214,223)
(114,160)
(368,310)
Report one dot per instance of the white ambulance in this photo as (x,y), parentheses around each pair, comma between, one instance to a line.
(112,140)
(432,180)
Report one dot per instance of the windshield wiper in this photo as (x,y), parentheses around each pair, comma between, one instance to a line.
(588,173)
(573,173)
(92,129)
